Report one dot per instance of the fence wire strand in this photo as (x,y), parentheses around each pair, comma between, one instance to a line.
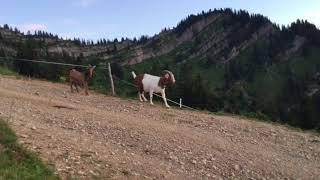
(174,102)
(77,65)
(45,62)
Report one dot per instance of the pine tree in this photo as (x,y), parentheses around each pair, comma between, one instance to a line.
(6,26)
(114,47)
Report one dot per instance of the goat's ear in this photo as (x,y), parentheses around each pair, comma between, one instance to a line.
(94,67)
(166,75)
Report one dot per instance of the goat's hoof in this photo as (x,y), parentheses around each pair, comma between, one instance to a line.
(167,106)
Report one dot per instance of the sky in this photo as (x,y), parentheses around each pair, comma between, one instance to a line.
(95,19)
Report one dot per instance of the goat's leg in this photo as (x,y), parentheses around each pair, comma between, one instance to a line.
(76,87)
(140,94)
(144,98)
(71,87)
(86,88)
(163,93)
(151,95)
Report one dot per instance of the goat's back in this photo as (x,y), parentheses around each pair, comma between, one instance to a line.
(75,75)
(150,82)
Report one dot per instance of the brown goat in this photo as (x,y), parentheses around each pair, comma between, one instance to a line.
(81,78)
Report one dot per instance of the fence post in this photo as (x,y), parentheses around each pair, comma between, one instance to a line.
(111,80)
(180,103)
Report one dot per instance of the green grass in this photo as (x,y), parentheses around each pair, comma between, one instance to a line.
(6,71)
(17,163)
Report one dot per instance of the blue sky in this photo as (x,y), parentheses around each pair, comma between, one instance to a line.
(94,19)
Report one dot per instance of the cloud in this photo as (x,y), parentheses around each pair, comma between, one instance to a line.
(313,17)
(31,27)
(83,3)
(81,35)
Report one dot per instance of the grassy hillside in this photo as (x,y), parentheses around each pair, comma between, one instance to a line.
(282,90)
(269,72)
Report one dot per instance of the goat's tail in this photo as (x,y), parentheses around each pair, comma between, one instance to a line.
(133,74)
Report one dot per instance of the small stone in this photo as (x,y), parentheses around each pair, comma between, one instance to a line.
(24,136)
(315,140)
(237,167)
(204,161)
(194,162)
(135,174)
(33,128)
(93,173)
(308,157)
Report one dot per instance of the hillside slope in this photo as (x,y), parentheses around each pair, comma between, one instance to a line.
(100,136)
(239,63)
(224,60)
(44,44)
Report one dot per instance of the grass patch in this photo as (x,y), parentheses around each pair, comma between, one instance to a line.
(6,71)
(18,163)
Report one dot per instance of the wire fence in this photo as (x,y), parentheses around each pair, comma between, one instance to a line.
(174,102)
(43,61)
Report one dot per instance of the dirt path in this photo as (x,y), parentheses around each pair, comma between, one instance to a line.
(106,137)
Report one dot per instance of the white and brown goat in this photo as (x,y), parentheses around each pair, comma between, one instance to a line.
(81,78)
(153,84)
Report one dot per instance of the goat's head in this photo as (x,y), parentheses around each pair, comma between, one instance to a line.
(168,75)
(90,70)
